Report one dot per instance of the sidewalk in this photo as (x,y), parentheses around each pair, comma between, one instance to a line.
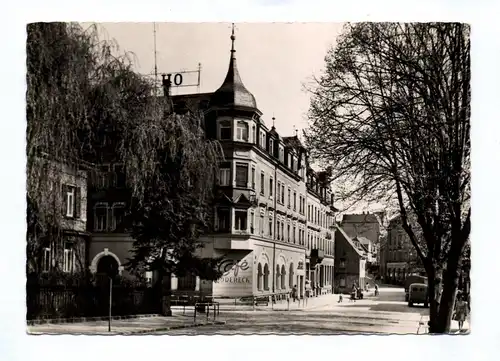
(424,328)
(129,326)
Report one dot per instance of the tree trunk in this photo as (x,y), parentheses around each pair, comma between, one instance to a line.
(450,286)
(162,286)
(434,287)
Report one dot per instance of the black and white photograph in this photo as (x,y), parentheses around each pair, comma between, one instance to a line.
(248,178)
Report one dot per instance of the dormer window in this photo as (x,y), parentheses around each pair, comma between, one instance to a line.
(271,146)
(263,139)
(225,130)
(242,131)
(282,154)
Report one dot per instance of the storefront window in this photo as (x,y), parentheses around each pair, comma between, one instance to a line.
(259,277)
(283,277)
(278,277)
(266,277)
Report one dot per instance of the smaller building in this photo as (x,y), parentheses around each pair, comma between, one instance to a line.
(63,247)
(400,258)
(350,263)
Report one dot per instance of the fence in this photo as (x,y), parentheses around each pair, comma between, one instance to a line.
(50,302)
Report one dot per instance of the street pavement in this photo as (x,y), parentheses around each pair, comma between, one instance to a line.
(385,314)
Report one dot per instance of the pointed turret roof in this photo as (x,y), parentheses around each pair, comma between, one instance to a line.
(232,92)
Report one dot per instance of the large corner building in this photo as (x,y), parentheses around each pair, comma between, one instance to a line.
(274,215)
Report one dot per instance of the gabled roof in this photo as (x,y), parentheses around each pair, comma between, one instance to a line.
(363,240)
(349,240)
(359,218)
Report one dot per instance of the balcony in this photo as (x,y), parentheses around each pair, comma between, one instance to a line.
(232,243)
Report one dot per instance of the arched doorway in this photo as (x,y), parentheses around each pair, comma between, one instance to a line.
(107,265)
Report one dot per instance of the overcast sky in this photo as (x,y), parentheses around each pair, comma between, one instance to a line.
(274,59)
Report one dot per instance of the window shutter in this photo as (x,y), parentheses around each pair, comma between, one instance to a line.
(64,199)
(77,202)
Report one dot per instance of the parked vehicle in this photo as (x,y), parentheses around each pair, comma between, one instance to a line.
(413,279)
(418,293)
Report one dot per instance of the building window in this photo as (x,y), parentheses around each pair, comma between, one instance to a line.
(288,232)
(263,140)
(69,255)
(120,179)
(101,217)
(46,261)
(223,219)
(278,193)
(240,220)
(278,230)
(259,277)
(282,194)
(282,155)
(282,230)
(290,276)
(262,183)
(224,176)
(242,131)
(225,130)
(294,200)
(271,186)
(252,221)
(271,226)
(283,277)
(261,224)
(271,146)
(241,174)
(342,282)
(342,263)
(266,277)
(289,197)
(293,234)
(253,177)
(148,275)
(254,134)
(70,201)
(118,216)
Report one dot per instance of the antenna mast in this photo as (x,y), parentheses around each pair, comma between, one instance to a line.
(156,67)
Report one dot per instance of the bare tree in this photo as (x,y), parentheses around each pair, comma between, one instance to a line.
(391,115)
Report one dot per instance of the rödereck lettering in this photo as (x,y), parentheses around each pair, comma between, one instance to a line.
(234,279)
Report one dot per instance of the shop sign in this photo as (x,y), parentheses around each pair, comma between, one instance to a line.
(233,271)
(237,276)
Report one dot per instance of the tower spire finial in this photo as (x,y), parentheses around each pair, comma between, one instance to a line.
(232,39)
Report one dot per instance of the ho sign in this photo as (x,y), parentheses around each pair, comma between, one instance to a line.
(177,79)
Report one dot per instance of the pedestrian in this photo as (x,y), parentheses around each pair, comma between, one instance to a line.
(461,310)
(354,293)
(294,293)
(376,289)
(340,298)
(318,289)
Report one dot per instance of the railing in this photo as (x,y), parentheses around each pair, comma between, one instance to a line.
(196,305)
